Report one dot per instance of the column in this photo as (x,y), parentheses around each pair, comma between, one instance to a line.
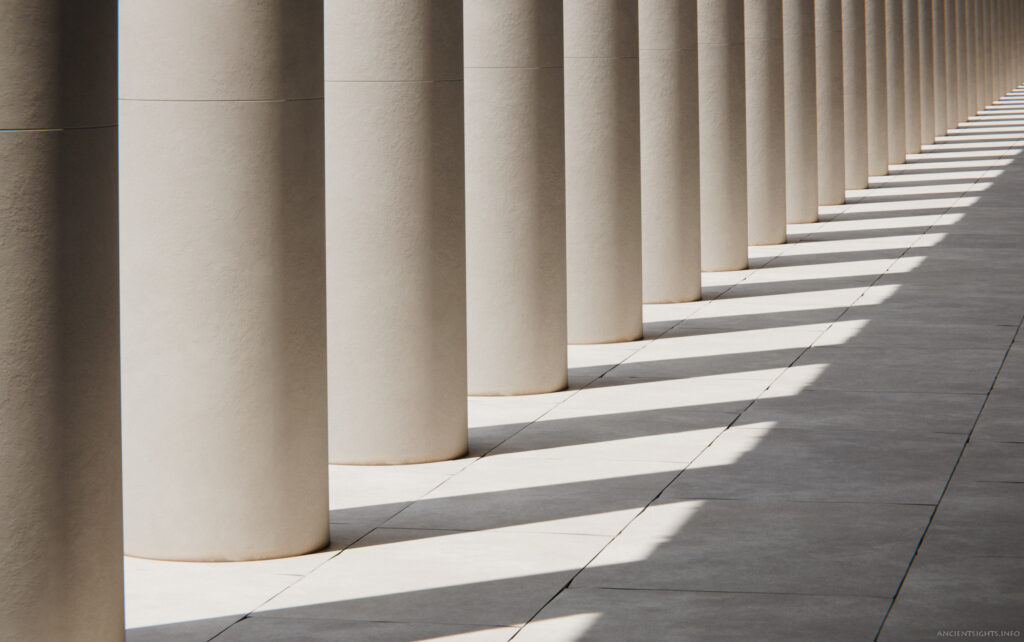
(963,106)
(222,279)
(972,62)
(723,153)
(952,61)
(828,34)
(766,122)
(670,155)
(801,111)
(60,475)
(602,176)
(912,76)
(939,63)
(980,59)
(855,103)
(878,120)
(927,71)
(395,231)
(895,87)
(515,197)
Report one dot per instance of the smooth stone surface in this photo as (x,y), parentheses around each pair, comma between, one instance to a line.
(802,163)
(271,629)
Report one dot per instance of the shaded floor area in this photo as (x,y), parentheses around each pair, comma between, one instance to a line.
(830,446)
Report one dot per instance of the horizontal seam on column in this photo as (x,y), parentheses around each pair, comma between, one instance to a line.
(386,82)
(56,129)
(219,100)
(513,67)
(668,49)
(601,57)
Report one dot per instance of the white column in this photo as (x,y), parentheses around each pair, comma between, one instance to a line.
(766,122)
(878,120)
(939,63)
(980,59)
(515,197)
(927,71)
(60,475)
(801,111)
(222,279)
(395,231)
(895,88)
(828,34)
(723,153)
(963,105)
(602,179)
(670,155)
(912,75)
(972,61)
(855,103)
(952,62)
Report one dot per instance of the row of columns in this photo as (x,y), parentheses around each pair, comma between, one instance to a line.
(499,179)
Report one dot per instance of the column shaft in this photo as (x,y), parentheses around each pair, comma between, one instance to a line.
(828,33)
(878,127)
(963,106)
(927,71)
(602,179)
(60,476)
(395,231)
(939,63)
(855,103)
(801,111)
(980,59)
(670,155)
(912,75)
(952,61)
(895,87)
(766,122)
(723,153)
(222,280)
(972,63)
(515,197)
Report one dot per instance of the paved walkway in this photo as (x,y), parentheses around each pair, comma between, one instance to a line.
(831,447)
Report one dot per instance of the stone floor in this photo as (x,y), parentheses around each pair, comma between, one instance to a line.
(829,447)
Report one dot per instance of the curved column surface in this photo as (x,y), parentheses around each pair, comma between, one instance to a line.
(878,119)
(396,306)
(895,82)
(828,33)
(926,71)
(723,144)
(222,279)
(855,103)
(801,111)
(766,123)
(963,105)
(60,458)
(670,155)
(515,197)
(980,65)
(912,76)
(939,63)
(952,62)
(972,61)
(602,173)
(988,86)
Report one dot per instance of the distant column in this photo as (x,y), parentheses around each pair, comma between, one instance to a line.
(972,59)
(801,111)
(980,59)
(896,82)
(963,105)
(828,46)
(912,75)
(60,427)
(515,197)
(602,179)
(766,122)
(670,154)
(723,141)
(927,71)
(878,120)
(952,61)
(939,63)
(855,103)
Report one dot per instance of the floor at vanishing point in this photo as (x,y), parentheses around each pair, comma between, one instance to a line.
(830,446)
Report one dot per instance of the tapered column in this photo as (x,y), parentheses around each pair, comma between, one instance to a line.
(828,34)
(801,111)
(855,103)
(896,84)
(939,63)
(963,106)
(878,120)
(952,62)
(515,197)
(602,180)
(222,279)
(723,153)
(670,155)
(927,71)
(766,122)
(395,231)
(912,76)
(60,474)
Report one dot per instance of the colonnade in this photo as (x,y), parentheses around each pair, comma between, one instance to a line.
(294,232)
